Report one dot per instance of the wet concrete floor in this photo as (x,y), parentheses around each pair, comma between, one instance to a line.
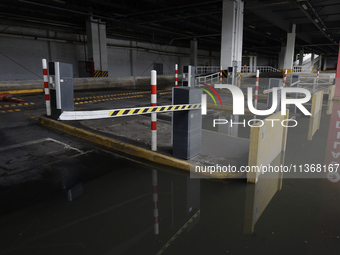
(115,210)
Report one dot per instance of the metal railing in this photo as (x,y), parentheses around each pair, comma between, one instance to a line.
(302,69)
(209,79)
(313,84)
(207,69)
(306,68)
(262,69)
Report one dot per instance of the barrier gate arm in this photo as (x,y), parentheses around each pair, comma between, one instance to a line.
(90,115)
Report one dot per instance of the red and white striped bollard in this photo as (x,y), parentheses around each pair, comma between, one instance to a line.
(155,202)
(284,79)
(154,115)
(221,75)
(46,88)
(176,75)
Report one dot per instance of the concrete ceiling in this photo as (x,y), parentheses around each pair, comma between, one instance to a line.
(176,22)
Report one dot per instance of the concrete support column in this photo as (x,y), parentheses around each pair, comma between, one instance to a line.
(320,62)
(337,77)
(289,55)
(255,63)
(133,61)
(193,52)
(232,34)
(180,62)
(97,48)
(251,64)
(324,63)
(210,59)
(51,46)
(302,52)
(282,58)
(312,60)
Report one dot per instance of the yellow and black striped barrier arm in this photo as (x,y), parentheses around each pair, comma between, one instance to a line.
(154,109)
(87,115)
(179,232)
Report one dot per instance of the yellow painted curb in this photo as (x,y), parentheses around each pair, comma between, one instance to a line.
(288,70)
(129,149)
(24,91)
(117,145)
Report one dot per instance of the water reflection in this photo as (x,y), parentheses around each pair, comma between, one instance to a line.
(260,194)
(314,124)
(138,210)
(155,202)
(230,128)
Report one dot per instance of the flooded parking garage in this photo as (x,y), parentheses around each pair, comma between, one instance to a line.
(162,127)
(74,197)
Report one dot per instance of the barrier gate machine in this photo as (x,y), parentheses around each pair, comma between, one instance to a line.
(188,76)
(61,88)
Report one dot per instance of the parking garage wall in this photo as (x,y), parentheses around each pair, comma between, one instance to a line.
(20,58)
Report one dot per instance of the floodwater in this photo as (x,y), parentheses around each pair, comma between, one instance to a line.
(125,207)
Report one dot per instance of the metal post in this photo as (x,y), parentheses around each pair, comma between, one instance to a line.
(317,80)
(154,115)
(256,87)
(176,75)
(284,79)
(47,89)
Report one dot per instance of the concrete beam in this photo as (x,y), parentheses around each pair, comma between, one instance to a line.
(277,20)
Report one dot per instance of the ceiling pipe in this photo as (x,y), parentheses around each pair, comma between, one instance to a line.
(266,5)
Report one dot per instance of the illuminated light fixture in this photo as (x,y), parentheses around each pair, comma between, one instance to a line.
(269,33)
(304,6)
(316,20)
(324,29)
(329,35)
(251,26)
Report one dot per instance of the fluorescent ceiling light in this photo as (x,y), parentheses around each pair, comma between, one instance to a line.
(304,6)
(251,26)
(316,20)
